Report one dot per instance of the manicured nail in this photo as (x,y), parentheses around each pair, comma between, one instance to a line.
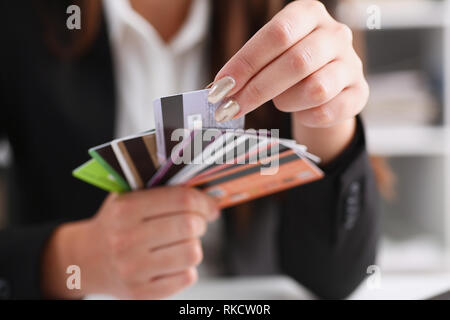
(227,111)
(220,89)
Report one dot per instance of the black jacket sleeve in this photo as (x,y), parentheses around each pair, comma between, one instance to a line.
(329,229)
(20,247)
(20,261)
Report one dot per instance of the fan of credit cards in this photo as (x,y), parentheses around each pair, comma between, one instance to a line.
(189,148)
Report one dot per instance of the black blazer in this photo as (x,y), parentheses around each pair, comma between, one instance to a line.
(323,234)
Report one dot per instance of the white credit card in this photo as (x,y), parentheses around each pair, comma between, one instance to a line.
(190,110)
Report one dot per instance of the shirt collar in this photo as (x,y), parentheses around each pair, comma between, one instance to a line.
(120,15)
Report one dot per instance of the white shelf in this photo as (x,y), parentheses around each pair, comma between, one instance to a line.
(396,14)
(408,141)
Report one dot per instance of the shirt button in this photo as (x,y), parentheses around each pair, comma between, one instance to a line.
(4,290)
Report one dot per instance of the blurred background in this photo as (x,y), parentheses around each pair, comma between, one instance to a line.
(408,122)
(407,119)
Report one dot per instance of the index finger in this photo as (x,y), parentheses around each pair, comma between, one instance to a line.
(283,31)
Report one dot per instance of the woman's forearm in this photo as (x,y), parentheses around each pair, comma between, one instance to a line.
(326,143)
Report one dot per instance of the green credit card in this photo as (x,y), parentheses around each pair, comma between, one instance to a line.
(94,173)
(105,156)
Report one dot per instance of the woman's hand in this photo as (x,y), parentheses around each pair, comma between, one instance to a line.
(142,245)
(304,60)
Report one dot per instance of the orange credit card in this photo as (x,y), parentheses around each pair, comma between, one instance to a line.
(247,182)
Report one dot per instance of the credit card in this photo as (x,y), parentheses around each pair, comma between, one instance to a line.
(94,173)
(137,158)
(190,110)
(258,153)
(255,147)
(184,153)
(225,149)
(245,182)
(104,154)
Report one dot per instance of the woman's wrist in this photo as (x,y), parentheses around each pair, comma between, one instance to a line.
(67,246)
(327,143)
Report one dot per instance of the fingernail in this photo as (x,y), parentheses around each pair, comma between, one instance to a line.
(209,85)
(220,89)
(227,111)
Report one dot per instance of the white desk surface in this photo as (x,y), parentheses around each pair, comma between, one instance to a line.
(392,286)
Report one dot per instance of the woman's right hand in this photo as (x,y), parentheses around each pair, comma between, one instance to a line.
(141,245)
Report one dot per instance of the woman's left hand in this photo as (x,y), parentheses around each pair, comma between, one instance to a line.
(304,61)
